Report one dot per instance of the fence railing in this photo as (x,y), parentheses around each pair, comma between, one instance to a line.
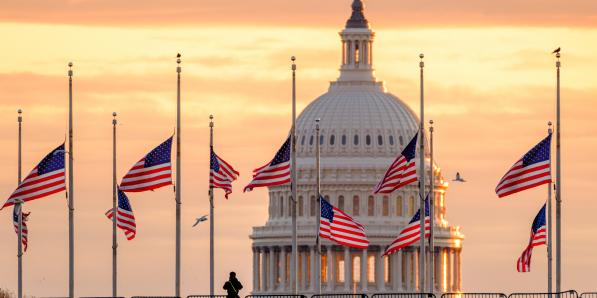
(589,295)
(474,295)
(566,294)
(207,296)
(276,296)
(403,295)
(339,295)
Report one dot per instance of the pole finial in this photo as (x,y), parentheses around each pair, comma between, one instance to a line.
(293,59)
(421,56)
(421,63)
(549,129)
(20,111)
(70,64)
(178,58)
(114,114)
(211,120)
(70,69)
(431,122)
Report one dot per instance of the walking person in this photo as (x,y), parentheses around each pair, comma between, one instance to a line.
(232,286)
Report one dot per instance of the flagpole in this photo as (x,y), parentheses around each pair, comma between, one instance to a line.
(318,186)
(549,232)
(422,183)
(20,215)
(211,213)
(558,184)
(431,212)
(71,194)
(178,180)
(114,211)
(293,185)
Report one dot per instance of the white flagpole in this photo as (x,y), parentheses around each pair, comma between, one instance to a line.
(318,187)
(422,183)
(211,213)
(19,205)
(431,212)
(293,186)
(114,211)
(558,184)
(549,232)
(71,193)
(178,181)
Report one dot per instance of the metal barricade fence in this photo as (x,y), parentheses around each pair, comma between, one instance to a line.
(103,297)
(404,295)
(206,296)
(474,295)
(275,296)
(339,296)
(589,295)
(155,297)
(566,294)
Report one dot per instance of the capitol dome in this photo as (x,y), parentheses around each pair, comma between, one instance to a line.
(363,128)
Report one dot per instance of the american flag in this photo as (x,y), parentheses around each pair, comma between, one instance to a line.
(340,227)
(276,172)
(45,179)
(125,219)
(401,172)
(24,231)
(412,232)
(221,174)
(151,172)
(538,237)
(532,170)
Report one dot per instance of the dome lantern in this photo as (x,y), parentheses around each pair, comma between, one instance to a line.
(357,47)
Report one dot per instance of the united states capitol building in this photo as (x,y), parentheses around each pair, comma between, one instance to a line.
(363,129)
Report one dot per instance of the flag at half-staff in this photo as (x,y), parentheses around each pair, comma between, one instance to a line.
(340,227)
(276,172)
(24,230)
(538,237)
(46,178)
(532,170)
(402,171)
(412,232)
(125,219)
(221,173)
(152,171)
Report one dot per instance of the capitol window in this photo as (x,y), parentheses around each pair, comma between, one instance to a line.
(311,141)
(343,140)
(281,206)
(385,206)
(411,206)
(401,140)
(379,140)
(303,140)
(391,140)
(371,206)
(332,140)
(313,205)
(356,139)
(321,140)
(399,208)
(300,206)
(355,206)
(341,203)
(368,140)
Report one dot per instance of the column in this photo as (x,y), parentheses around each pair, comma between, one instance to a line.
(364,271)
(347,269)
(451,272)
(380,270)
(409,270)
(263,278)
(329,257)
(458,274)
(397,270)
(282,269)
(303,269)
(313,271)
(255,269)
(270,274)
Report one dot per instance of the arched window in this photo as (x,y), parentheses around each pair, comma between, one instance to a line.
(411,206)
(371,206)
(356,210)
(385,210)
(401,140)
(341,203)
(281,206)
(313,206)
(300,206)
(321,139)
(332,140)
(368,140)
(303,140)
(399,207)
(356,140)
(356,53)
(370,268)
(391,140)
(343,140)
(289,207)
(379,140)
(356,271)
(311,140)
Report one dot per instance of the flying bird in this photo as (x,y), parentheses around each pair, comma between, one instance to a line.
(200,219)
(458,178)
(556,51)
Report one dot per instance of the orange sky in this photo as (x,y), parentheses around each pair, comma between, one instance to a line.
(489,88)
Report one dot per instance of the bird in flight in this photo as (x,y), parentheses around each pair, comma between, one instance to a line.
(458,178)
(556,51)
(200,219)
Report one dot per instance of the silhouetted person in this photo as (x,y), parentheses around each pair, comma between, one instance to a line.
(232,286)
